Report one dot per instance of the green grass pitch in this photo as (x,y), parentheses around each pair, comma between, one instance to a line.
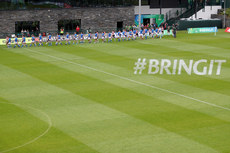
(87,99)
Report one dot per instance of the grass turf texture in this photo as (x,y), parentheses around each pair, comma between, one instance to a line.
(93,112)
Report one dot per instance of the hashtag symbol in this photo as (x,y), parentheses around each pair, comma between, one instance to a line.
(140,66)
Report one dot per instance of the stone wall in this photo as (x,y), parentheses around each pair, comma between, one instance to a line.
(94,18)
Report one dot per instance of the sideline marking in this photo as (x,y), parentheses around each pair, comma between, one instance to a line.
(137,82)
(35,139)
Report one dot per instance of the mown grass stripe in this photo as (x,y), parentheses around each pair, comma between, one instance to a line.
(107,96)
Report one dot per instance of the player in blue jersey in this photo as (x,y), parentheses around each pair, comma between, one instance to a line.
(146,33)
(67,39)
(89,37)
(16,41)
(8,42)
(82,38)
(33,41)
(109,37)
(24,41)
(152,33)
(134,34)
(119,36)
(141,34)
(96,37)
(156,33)
(40,40)
(103,36)
(130,35)
(49,39)
(123,35)
(58,40)
(75,37)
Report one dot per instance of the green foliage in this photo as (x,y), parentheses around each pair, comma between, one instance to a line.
(227,12)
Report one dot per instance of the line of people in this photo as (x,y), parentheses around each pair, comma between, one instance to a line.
(82,38)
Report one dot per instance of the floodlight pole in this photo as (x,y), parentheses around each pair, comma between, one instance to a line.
(224,13)
(139,14)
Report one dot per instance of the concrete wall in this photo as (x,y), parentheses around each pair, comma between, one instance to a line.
(207,12)
(171,12)
(147,10)
(94,18)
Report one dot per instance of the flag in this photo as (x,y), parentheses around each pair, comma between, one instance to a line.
(227,29)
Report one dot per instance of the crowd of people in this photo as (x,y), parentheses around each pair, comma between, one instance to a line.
(146,32)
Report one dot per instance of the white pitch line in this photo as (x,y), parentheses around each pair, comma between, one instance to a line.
(35,139)
(137,82)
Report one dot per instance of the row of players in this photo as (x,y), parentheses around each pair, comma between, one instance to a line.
(130,35)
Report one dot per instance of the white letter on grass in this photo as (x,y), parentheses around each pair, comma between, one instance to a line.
(186,68)
(219,65)
(153,63)
(174,67)
(204,72)
(163,66)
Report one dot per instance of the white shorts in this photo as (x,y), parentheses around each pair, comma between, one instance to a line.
(88,38)
(9,43)
(67,39)
(141,35)
(32,41)
(102,37)
(110,37)
(95,37)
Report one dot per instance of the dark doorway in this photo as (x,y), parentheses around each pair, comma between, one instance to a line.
(27,28)
(69,25)
(146,21)
(119,25)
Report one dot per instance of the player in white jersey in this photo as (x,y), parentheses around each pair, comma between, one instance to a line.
(161,32)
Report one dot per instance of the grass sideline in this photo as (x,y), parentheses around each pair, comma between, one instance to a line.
(92,112)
